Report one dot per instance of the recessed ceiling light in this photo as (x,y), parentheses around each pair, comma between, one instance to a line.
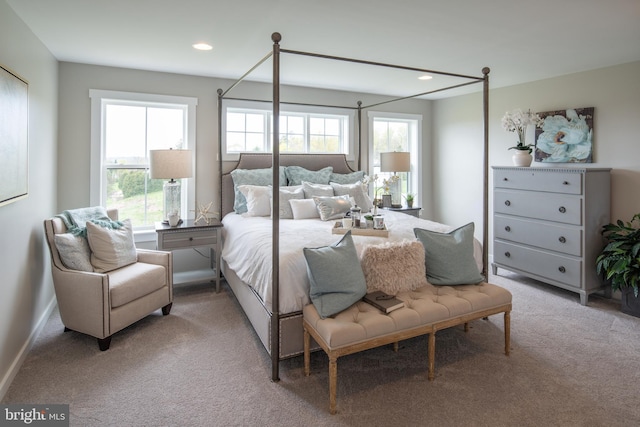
(202,46)
(425,77)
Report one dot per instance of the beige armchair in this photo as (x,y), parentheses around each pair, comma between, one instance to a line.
(101,304)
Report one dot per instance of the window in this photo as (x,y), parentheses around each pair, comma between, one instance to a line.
(247,127)
(396,132)
(124,127)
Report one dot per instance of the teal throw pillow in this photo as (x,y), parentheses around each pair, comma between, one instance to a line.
(297,174)
(262,177)
(347,178)
(449,256)
(335,276)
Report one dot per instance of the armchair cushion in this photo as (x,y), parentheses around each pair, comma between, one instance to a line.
(74,251)
(134,281)
(111,248)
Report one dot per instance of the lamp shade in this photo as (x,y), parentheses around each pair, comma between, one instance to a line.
(170,164)
(395,161)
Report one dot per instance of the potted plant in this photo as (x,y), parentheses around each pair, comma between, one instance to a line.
(517,121)
(619,262)
(409,198)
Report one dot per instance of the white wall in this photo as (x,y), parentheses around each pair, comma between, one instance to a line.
(26,286)
(457,162)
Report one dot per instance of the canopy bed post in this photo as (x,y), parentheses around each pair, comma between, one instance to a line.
(275,288)
(220,95)
(485,219)
(360,135)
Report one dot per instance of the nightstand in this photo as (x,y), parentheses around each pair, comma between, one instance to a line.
(189,234)
(414,211)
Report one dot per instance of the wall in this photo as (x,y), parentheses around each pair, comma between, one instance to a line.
(457,161)
(26,286)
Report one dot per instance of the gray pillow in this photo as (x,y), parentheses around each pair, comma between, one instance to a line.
(335,276)
(285,195)
(356,191)
(111,249)
(449,256)
(320,190)
(347,178)
(297,174)
(74,251)
(332,207)
(250,177)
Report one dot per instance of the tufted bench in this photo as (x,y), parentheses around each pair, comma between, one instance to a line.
(427,310)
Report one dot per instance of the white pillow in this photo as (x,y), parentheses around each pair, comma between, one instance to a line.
(111,248)
(258,199)
(356,191)
(320,190)
(286,194)
(304,209)
(74,251)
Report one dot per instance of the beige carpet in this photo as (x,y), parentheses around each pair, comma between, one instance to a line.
(203,366)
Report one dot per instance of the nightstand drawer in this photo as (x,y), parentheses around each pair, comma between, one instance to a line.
(530,179)
(550,207)
(564,239)
(186,239)
(562,269)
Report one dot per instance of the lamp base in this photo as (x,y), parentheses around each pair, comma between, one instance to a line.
(396,206)
(166,221)
(172,196)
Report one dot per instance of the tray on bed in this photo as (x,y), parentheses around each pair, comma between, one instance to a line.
(339,229)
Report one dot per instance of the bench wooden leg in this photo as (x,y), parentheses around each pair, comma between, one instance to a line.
(307,352)
(395,346)
(432,355)
(507,332)
(333,383)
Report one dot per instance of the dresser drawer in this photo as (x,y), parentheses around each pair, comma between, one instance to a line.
(552,266)
(542,180)
(564,239)
(186,239)
(550,207)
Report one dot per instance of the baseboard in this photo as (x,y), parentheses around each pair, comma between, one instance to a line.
(22,354)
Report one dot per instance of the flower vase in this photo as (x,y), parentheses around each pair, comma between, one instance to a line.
(522,158)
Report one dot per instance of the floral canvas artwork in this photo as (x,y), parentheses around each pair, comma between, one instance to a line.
(566,136)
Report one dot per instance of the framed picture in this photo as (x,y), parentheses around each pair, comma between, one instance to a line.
(566,136)
(14,137)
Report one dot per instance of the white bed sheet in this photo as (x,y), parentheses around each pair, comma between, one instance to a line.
(247,250)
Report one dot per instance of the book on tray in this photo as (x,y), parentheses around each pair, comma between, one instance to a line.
(383,301)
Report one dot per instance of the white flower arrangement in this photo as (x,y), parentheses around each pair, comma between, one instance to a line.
(518,121)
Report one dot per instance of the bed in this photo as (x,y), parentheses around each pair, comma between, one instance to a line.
(273,296)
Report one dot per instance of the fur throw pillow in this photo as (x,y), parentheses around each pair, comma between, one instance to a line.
(395,266)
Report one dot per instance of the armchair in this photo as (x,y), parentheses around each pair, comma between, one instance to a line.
(101,304)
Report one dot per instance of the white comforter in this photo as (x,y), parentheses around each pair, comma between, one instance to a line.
(247,250)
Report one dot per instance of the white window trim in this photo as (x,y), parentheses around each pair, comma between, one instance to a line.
(97,175)
(284,109)
(415,177)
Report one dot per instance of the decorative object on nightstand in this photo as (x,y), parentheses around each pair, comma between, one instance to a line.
(409,199)
(204,214)
(517,121)
(395,161)
(171,164)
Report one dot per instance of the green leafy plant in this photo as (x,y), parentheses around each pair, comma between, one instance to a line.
(409,197)
(619,261)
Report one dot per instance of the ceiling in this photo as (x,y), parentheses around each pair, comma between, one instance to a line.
(519,41)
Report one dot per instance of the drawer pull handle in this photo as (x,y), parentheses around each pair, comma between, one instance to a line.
(561,269)
(562,239)
(565,183)
(507,228)
(507,254)
(191,239)
(505,179)
(507,203)
(562,209)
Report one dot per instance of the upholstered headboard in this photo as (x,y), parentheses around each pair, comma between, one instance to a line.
(312,162)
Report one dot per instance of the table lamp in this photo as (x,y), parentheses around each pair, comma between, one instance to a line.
(395,161)
(170,164)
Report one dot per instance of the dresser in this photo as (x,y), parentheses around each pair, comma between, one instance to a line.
(547,224)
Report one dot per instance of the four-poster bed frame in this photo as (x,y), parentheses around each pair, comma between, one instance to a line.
(274,333)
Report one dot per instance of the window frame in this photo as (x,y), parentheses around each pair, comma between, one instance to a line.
(98,171)
(415,147)
(349,146)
